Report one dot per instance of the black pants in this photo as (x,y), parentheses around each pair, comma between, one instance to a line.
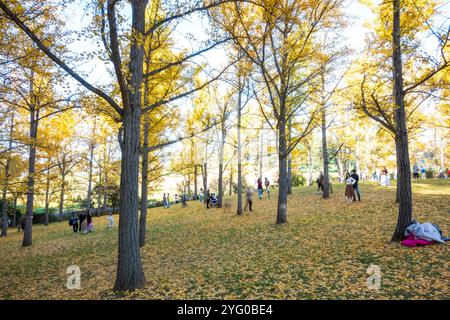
(356,187)
(250,202)
(75,227)
(207,203)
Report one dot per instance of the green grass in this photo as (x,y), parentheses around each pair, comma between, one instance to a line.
(323,252)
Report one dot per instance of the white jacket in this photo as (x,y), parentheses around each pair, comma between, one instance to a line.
(425,231)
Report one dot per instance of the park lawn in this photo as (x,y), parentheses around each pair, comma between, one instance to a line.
(323,252)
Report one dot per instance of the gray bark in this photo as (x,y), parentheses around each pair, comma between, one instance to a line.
(6,183)
(404,173)
(34,116)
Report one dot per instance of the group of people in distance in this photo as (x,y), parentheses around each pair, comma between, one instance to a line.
(81,222)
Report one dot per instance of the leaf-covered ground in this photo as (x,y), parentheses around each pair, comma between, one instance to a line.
(193,253)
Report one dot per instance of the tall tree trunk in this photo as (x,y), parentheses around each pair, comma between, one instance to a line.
(239,154)
(91,165)
(221,157)
(310,175)
(282,168)
(405,203)
(195,181)
(61,195)
(105,191)
(5,184)
(289,161)
(129,268)
(326,180)
(14,221)
(47,196)
(99,193)
(205,180)
(230,191)
(34,116)
(261,150)
(144,185)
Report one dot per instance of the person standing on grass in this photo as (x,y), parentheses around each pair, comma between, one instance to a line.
(424,171)
(164,201)
(349,190)
(200,195)
(74,222)
(90,225)
(415,172)
(320,182)
(355,176)
(109,220)
(208,198)
(168,200)
(260,188)
(267,185)
(249,200)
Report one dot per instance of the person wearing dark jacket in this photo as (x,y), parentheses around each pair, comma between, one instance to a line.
(355,176)
(208,199)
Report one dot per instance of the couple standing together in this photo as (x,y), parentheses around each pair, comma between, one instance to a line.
(351,186)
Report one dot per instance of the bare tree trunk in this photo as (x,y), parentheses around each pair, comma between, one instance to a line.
(14,222)
(144,186)
(105,191)
(47,196)
(5,184)
(129,268)
(289,162)
(221,157)
(239,154)
(310,176)
(91,165)
(99,194)
(205,180)
(34,116)
(195,181)
(261,150)
(61,196)
(404,174)
(282,168)
(230,191)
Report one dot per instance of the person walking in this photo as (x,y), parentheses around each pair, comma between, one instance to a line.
(260,188)
(349,190)
(355,176)
(424,171)
(200,195)
(168,200)
(267,185)
(249,200)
